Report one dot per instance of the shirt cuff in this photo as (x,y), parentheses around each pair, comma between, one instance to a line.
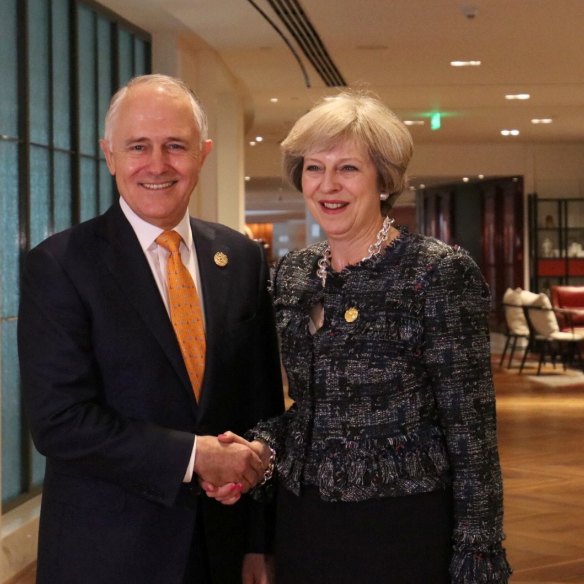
(189,473)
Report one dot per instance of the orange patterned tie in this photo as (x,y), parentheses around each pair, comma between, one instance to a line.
(185,310)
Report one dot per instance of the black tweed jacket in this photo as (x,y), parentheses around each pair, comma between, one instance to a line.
(393,395)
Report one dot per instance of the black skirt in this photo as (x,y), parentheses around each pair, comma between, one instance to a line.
(395,540)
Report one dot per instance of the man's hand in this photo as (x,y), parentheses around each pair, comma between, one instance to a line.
(230,493)
(258,569)
(220,463)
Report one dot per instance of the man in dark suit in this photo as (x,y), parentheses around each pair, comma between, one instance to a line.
(107,392)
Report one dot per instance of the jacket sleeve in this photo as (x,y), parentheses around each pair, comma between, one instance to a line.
(70,418)
(457,357)
(269,400)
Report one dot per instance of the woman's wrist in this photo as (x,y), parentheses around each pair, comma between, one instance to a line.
(269,456)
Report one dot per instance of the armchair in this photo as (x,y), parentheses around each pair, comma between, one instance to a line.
(569,302)
(545,336)
(515,321)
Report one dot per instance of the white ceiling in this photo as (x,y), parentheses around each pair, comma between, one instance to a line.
(402,49)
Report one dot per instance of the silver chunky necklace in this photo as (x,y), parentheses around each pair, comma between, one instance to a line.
(324,263)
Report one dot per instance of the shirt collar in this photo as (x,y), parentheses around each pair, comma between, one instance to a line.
(147,233)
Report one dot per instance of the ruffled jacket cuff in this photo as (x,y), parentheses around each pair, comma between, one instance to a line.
(474,566)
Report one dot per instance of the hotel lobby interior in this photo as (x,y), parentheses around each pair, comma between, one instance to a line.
(492,92)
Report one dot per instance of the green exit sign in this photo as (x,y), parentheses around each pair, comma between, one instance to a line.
(435,121)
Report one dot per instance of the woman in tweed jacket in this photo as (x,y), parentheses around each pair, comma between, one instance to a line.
(387,461)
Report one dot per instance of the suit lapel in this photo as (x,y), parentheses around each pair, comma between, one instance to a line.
(214,281)
(122,254)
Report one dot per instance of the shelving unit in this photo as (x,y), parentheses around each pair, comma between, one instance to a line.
(556,232)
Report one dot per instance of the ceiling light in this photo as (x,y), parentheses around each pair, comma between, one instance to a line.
(414,122)
(510,132)
(247,178)
(465,179)
(541,121)
(252,143)
(517,96)
(469,11)
(259,139)
(481,176)
(465,63)
(274,99)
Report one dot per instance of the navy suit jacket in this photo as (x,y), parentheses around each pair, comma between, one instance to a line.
(110,404)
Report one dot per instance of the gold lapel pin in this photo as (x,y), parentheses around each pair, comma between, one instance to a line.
(220,259)
(351,314)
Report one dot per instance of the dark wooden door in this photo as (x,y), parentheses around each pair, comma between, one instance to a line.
(486,218)
(502,245)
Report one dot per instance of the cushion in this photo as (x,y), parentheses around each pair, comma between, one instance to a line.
(544,321)
(515,317)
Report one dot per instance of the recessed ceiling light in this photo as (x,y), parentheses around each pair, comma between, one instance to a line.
(517,96)
(274,99)
(414,122)
(252,143)
(541,121)
(247,178)
(465,63)
(510,132)
(481,176)
(259,139)
(465,179)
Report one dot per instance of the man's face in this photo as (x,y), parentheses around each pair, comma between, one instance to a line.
(156,153)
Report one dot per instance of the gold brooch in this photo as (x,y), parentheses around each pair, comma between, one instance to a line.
(220,259)
(351,314)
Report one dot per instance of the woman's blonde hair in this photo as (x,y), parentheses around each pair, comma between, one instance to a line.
(354,116)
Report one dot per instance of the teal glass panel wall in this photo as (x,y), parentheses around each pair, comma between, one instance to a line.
(38,71)
(8,67)
(62,195)
(9,229)
(86,69)
(106,187)
(61,75)
(104,70)
(141,56)
(40,193)
(13,463)
(88,189)
(60,62)
(125,56)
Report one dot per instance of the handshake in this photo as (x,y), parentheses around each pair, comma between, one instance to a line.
(228,465)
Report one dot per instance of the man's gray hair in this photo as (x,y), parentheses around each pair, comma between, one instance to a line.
(173,84)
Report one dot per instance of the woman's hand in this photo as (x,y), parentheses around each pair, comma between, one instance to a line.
(227,494)
(230,493)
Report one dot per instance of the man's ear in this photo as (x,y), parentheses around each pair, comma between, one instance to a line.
(206,147)
(109,157)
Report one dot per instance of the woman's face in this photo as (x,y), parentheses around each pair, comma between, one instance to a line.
(340,189)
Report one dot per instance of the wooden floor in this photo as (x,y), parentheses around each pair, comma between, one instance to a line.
(541,441)
(541,437)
